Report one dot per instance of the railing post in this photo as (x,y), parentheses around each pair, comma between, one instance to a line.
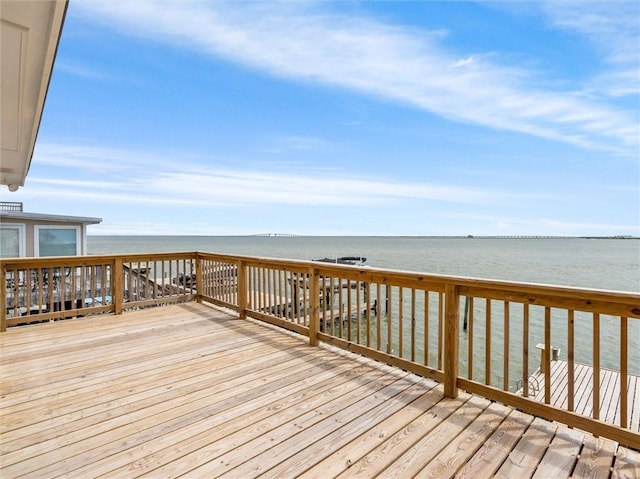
(199,277)
(314,306)
(451,340)
(117,285)
(242,289)
(3,299)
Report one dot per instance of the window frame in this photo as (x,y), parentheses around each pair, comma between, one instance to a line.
(22,238)
(38,228)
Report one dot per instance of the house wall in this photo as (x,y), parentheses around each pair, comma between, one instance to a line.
(31,228)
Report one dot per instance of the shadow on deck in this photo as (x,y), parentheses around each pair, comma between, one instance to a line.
(190,390)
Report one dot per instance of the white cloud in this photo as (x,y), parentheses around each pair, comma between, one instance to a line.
(91,159)
(614,30)
(464,62)
(307,42)
(82,71)
(151,178)
(535,225)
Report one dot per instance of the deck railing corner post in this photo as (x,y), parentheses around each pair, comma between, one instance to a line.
(197,258)
(314,306)
(451,340)
(118,285)
(242,289)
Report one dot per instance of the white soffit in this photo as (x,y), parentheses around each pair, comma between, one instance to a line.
(29,34)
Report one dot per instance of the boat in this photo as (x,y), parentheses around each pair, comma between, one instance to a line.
(348,260)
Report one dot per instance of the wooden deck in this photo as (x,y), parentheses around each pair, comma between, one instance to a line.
(188,390)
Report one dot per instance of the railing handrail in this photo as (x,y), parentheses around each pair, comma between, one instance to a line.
(413,278)
(418,278)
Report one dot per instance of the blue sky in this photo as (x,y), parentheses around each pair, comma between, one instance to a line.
(344,118)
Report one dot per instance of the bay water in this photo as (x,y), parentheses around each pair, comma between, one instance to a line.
(611,264)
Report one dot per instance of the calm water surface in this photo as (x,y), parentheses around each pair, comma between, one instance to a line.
(592,263)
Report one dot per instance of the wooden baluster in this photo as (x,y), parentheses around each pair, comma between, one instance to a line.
(426,328)
(547,355)
(302,318)
(314,304)
(340,309)
(596,366)
(50,281)
(505,352)
(624,361)
(282,291)
(413,324)
(378,316)
(263,296)
(441,313)
(389,309)
(358,312)
(487,343)
(525,350)
(571,357)
(451,340)
(400,321)
(62,287)
(323,304)
(470,337)
(3,299)
(74,287)
(348,308)
(131,294)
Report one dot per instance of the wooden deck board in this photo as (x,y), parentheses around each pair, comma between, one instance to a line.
(337,439)
(312,427)
(560,457)
(189,390)
(596,459)
(495,449)
(104,410)
(626,464)
(461,449)
(412,416)
(528,452)
(164,455)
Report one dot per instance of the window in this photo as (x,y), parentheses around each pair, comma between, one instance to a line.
(57,241)
(12,240)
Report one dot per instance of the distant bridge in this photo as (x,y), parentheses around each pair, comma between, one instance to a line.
(279,235)
(550,237)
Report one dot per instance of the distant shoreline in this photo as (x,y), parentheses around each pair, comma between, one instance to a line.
(287,235)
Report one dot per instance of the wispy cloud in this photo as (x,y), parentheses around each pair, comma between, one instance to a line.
(613,29)
(82,71)
(101,175)
(92,159)
(504,224)
(309,42)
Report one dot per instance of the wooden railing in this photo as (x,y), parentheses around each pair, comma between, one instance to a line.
(477,335)
(44,289)
(10,206)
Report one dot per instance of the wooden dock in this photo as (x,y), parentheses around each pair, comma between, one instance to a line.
(189,390)
(583,391)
